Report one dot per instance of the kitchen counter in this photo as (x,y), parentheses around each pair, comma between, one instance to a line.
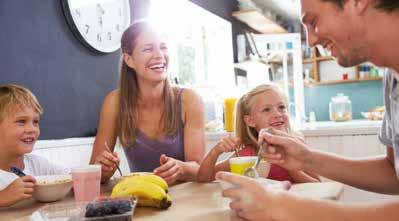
(331,128)
(324,128)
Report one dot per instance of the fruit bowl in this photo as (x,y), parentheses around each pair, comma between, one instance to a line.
(373,115)
(52,188)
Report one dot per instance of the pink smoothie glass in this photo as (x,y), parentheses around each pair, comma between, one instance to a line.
(86,182)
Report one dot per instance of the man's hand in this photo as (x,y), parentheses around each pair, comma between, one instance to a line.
(250,199)
(285,150)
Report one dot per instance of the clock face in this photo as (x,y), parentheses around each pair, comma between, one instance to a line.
(98,24)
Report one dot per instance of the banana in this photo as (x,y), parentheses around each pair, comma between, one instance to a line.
(148,193)
(155,180)
(149,177)
(163,204)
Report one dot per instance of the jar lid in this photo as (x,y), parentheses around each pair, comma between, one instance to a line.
(340,98)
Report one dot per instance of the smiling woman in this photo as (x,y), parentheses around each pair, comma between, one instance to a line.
(160,126)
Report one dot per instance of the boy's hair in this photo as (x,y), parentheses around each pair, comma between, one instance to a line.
(15,96)
(247,134)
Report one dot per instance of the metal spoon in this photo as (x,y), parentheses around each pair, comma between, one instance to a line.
(252,172)
(109,150)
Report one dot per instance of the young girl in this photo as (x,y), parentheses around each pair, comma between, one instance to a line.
(263,107)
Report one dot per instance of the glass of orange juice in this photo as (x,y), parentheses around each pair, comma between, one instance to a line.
(229,106)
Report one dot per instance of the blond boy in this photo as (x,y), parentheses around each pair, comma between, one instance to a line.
(19,129)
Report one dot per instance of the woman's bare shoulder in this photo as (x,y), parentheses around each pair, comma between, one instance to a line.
(190,96)
(113,96)
(111,101)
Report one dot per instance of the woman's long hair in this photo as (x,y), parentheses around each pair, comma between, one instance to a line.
(247,134)
(130,93)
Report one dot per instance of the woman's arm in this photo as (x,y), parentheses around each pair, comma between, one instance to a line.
(107,133)
(194,134)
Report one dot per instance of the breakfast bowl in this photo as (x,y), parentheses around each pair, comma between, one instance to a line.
(52,188)
(267,183)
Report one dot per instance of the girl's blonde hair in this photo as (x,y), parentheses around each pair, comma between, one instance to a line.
(14,96)
(247,134)
(130,93)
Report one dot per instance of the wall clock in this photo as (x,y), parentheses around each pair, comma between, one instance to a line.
(97,24)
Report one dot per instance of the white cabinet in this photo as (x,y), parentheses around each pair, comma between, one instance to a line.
(348,145)
(349,139)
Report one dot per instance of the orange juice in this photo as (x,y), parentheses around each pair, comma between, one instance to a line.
(229,106)
(86,182)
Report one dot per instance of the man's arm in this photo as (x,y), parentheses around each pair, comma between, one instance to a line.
(375,174)
(302,209)
(254,201)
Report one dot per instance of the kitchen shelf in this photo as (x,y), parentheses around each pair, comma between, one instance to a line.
(317,59)
(259,22)
(345,81)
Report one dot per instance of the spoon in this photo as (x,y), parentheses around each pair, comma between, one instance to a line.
(252,172)
(17,171)
(109,150)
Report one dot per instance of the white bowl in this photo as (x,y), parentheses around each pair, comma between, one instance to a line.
(52,188)
(269,184)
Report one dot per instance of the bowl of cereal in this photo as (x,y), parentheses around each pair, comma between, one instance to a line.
(52,188)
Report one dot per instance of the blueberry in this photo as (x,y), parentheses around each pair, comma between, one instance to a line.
(90,210)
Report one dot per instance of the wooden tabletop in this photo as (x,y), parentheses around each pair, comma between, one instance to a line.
(190,201)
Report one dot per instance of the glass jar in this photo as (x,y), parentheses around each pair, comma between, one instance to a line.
(340,108)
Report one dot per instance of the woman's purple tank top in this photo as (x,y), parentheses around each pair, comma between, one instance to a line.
(144,155)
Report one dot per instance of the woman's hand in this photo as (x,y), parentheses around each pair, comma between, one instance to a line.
(109,163)
(171,170)
(285,150)
(227,144)
(21,189)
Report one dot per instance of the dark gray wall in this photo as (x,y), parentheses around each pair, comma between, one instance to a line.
(39,51)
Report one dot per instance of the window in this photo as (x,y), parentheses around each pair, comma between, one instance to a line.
(201,48)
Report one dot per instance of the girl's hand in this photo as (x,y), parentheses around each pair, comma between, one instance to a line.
(21,189)
(109,162)
(227,144)
(171,170)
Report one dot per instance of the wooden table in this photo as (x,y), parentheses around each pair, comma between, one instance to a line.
(191,201)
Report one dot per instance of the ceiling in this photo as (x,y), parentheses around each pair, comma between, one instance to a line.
(287,8)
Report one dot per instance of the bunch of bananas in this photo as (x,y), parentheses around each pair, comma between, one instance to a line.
(151,190)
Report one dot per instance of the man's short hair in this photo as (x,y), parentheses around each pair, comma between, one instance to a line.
(385,5)
(15,96)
